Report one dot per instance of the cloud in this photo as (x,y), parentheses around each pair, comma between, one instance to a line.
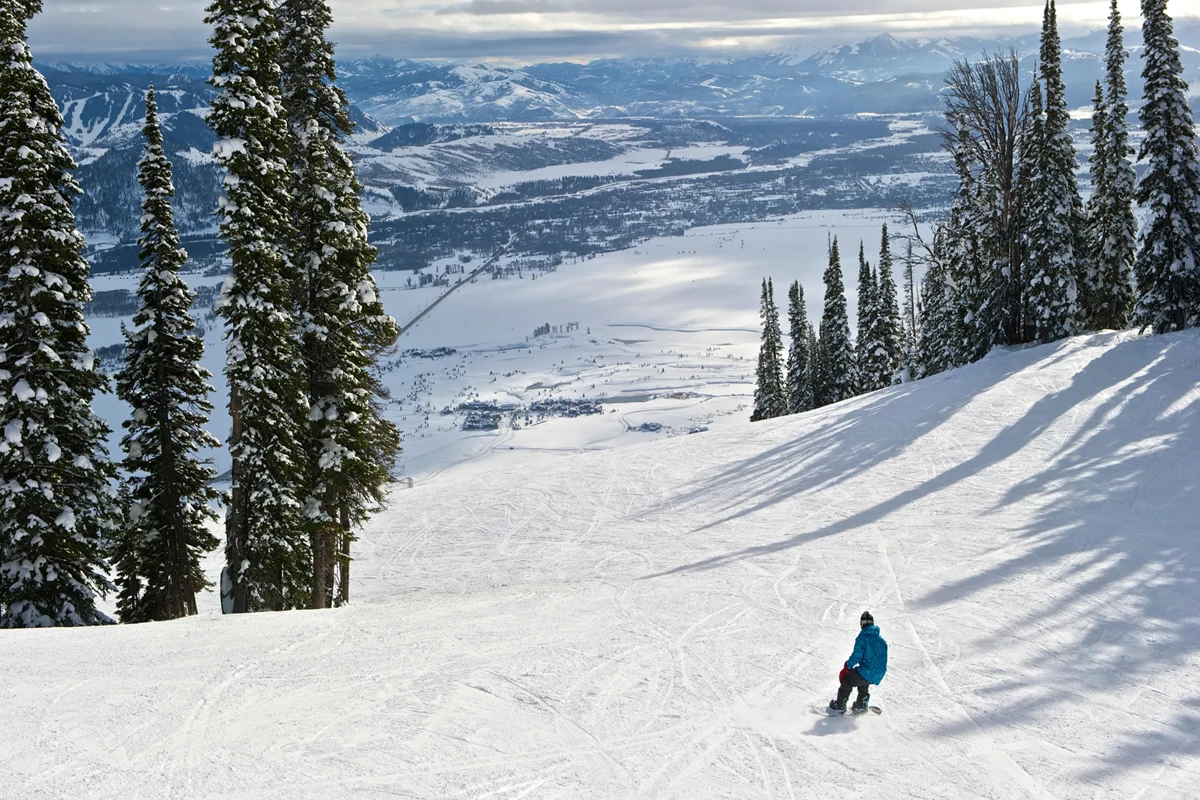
(120,30)
(516,31)
(505,7)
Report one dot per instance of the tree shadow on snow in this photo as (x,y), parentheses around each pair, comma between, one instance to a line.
(856,439)
(803,465)
(1117,516)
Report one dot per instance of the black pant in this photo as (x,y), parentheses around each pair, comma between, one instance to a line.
(853,681)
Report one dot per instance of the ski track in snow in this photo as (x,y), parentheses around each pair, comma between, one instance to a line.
(659,621)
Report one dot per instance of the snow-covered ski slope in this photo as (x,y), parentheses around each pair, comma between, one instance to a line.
(660,620)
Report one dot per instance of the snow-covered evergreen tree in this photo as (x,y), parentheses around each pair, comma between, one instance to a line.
(940,324)
(836,380)
(814,363)
(987,112)
(1051,293)
(1067,246)
(1113,226)
(57,498)
(800,352)
(969,254)
(158,553)
(911,328)
(1168,258)
(890,328)
(770,398)
(820,372)
(1097,165)
(351,446)
(267,549)
(868,346)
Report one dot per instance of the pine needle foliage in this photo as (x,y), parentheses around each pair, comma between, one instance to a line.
(57,501)
(1063,243)
(1168,258)
(890,333)
(939,324)
(1051,292)
(836,378)
(770,400)
(351,447)
(267,550)
(868,347)
(1097,166)
(165,537)
(801,352)
(911,325)
(973,262)
(1113,225)
(1099,159)
(986,109)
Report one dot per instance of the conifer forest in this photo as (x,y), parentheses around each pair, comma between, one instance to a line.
(303,329)
(1021,258)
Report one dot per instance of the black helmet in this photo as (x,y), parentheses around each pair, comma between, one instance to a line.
(866,619)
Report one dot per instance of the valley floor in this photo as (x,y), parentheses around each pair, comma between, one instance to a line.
(660,620)
(667,334)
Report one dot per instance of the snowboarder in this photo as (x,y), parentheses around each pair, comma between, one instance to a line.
(866,667)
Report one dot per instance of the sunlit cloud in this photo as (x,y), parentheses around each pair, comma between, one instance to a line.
(532,30)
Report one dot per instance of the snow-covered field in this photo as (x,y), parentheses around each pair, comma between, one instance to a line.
(668,335)
(660,620)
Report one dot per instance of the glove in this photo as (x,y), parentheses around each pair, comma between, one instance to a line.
(842,675)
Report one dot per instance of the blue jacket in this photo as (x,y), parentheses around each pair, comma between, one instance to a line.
(870,655)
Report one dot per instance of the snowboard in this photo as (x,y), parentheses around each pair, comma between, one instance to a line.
(848,712)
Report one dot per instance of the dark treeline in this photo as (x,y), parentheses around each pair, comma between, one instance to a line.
(1021,259)
(826,365)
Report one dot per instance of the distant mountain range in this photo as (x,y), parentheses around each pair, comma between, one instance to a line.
(880,75)
(410,114)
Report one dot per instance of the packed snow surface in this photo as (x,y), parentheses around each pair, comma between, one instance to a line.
(660,620)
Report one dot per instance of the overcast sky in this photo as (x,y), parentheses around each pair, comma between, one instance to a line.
(524,31)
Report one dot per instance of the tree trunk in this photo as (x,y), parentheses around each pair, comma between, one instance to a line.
(344,559)
(318,538)
(325,557)
(235,525)
(181,595)
(329,563)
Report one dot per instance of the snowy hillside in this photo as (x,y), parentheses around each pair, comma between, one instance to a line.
(659,621)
